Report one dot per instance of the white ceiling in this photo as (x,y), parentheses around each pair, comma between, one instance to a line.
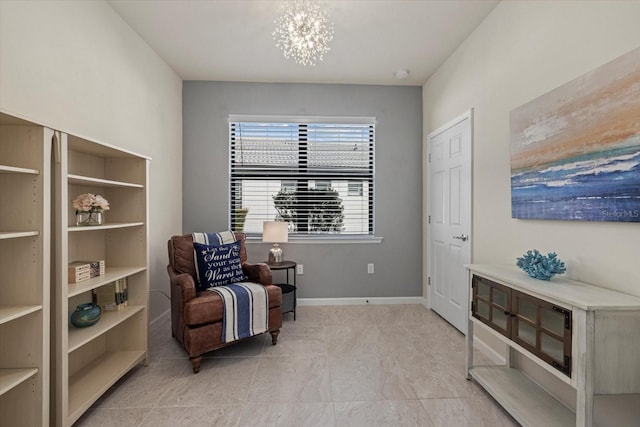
(232,40)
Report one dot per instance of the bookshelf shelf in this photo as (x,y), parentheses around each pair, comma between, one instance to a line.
(25,265)
(89,383)
(17,234)
(90,360)
(112,274)
(110,319)
(108,226)
(11,378)
(12,312)
(13,169)
(87,180)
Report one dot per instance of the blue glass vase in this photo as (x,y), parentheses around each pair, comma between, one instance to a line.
(85,315)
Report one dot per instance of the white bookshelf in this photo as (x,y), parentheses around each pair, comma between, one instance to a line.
(25,221)
(90,360)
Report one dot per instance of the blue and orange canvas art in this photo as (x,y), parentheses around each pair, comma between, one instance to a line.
(575,151)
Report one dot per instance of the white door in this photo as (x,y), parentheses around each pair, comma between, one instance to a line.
(449,219)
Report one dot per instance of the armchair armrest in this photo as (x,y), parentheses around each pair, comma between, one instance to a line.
(260,273)
(183,289)
(182,286)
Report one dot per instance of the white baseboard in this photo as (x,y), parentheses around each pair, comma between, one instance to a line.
(488,351)
(360,301)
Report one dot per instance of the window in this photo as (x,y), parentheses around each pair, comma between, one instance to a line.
(355,188)
(315,173)
(322,185)
(287,185)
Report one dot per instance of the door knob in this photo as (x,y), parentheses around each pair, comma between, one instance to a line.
(462,237)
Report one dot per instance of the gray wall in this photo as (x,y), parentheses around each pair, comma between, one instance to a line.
(330,270)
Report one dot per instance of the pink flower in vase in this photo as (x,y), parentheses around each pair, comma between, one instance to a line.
(88,202)
(84,202)
(90,209)
(101,202)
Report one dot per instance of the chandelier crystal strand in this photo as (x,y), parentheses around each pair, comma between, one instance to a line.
(303,32)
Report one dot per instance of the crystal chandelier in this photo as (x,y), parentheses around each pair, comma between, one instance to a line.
(303,32)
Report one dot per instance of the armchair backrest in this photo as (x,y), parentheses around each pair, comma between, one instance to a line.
(181,253)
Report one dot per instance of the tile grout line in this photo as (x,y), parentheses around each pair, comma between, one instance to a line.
(253,378)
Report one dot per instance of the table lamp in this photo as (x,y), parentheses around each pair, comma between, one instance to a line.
(275,232)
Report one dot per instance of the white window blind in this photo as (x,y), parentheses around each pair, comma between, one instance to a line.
(303,172)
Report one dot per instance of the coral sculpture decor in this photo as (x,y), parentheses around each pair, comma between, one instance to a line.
(539,266)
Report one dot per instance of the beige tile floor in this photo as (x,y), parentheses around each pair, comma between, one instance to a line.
(374,365)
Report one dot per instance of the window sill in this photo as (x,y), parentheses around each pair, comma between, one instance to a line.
(329,240)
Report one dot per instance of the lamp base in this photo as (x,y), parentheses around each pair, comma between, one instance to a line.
(275,255)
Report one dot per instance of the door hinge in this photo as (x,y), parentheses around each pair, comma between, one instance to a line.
(429,157)
(429,219)
(567,316)
(566,368)
(429,281)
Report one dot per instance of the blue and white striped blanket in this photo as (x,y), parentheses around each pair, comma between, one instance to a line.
(246,310)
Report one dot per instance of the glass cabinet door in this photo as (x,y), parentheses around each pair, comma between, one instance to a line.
(542,328)
(537,325)
(491,304)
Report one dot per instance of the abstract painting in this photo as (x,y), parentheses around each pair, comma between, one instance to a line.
(575,151)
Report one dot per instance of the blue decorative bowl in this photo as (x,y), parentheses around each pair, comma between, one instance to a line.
(85,315)
(540,266)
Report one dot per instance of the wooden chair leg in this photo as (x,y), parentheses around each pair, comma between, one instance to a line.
(195,361)
(274,336)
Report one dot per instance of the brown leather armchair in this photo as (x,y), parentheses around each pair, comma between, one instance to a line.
(196,317)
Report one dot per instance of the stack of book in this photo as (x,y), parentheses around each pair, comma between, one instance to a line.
(85,270)
(113,296)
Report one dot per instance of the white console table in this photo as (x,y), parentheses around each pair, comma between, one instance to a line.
(603,334)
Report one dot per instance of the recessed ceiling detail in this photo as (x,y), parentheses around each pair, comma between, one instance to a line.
(401,74)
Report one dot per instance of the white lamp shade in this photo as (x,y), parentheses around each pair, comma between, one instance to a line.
(275,231)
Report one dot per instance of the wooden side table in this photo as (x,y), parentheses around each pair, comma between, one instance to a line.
(289,299)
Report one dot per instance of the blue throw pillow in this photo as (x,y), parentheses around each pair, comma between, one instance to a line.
(218,265)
